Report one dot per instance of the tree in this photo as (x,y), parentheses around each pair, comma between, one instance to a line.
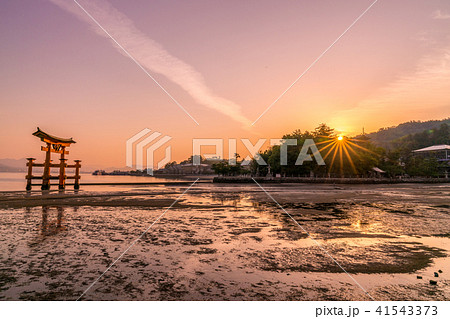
(422,166)
(221,168)
(170,164)
(348,157)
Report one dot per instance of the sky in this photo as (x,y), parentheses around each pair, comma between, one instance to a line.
(100,71)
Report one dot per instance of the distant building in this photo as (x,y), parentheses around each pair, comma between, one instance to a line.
(377,172)
(213,159)
(441,153)
(187,169)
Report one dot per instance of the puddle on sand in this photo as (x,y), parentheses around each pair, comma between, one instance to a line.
(226,245)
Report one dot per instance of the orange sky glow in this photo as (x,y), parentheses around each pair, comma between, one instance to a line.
(224,62)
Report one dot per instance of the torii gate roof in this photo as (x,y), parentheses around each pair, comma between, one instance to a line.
(52,139)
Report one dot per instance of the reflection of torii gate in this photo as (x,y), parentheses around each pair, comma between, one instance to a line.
(54,145)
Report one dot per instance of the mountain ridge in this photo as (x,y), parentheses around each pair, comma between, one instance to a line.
(386,136)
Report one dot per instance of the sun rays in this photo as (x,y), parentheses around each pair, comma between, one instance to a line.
(341,148)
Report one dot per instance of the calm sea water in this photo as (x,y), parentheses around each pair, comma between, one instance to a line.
(17,182)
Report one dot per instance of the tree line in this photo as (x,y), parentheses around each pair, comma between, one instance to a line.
(346,156)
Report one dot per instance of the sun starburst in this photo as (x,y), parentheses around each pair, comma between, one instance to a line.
(342,148)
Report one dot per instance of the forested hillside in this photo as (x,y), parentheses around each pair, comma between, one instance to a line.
(388,137)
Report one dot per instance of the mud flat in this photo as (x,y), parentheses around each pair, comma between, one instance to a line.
(228,242)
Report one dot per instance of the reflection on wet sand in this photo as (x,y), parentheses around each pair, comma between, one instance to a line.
(52,227)
(229,244)
(51,223)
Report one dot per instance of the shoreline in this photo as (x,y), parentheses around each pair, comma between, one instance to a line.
(323,180)
(163,196)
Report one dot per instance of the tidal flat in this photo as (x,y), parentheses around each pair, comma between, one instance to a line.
(228,242)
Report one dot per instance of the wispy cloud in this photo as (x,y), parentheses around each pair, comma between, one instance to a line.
(439,15)
(151,54)
(424,89)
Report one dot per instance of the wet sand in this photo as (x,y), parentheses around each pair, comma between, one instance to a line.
(227,242)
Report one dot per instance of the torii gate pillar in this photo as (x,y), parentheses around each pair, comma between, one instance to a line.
(53,145)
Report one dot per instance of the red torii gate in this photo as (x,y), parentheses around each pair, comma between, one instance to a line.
(54,145)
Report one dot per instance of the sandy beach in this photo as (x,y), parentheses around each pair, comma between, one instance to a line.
(227,242)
